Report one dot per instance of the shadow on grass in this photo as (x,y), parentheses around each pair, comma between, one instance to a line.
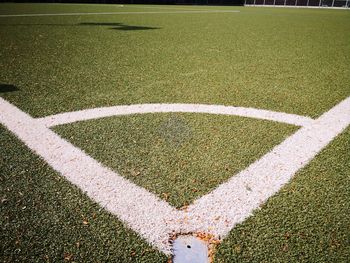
(114,26)
(119,26)
(7,88)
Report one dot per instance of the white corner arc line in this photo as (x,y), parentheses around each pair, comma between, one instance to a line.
(125,13)
(96,113)
(141,210)
(153,218)
(232,202)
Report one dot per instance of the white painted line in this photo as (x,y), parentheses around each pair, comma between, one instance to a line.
(69,117)
(142,211)
(124,13)
(215,213)
(301,6)
(193,8)
(232,202)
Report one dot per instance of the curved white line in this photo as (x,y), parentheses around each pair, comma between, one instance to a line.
(217,212)
(88,114)
(235,200)
(143,212)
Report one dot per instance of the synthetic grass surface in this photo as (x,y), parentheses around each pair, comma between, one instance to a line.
(180,157)
(291,60)
(307,221)
(43,218)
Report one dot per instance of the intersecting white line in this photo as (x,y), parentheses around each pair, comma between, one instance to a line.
(141,210)
(88,114)
(232,202)
(216,213)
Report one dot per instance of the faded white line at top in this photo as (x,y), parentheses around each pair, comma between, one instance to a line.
(124,13)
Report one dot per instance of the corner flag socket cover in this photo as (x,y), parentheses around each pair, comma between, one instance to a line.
(189,249)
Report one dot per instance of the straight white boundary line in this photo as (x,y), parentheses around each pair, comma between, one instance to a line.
(141,210)
(300,6)
(125,13)
(173,7)
(216,213)
(232,202)
(96,113)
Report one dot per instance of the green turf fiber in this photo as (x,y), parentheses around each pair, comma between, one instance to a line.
(288,60)
(307,221)
(179,157)
(44,219)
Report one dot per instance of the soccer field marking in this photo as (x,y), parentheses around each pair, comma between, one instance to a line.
(96,113)
(232,202)
(193,8)
(125,13)
(143,212)
(301,6)
(154,219)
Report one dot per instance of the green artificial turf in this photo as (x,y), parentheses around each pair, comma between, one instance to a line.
(43,218)
(179,157)
(307,221)
(289,60)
